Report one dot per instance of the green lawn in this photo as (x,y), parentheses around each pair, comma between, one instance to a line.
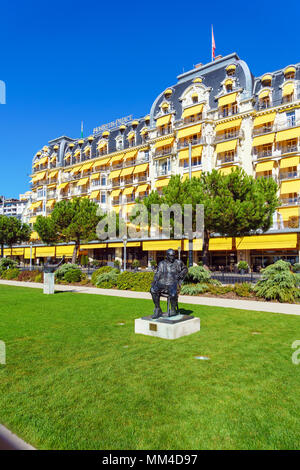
(75,379)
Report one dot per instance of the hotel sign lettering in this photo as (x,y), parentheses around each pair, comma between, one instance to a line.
(113,124)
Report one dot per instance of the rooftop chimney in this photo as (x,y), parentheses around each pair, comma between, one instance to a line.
(218,57)
(198,65)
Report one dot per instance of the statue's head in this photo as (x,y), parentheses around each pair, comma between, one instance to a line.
(171,255)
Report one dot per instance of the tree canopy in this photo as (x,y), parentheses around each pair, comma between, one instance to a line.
(74,220)
(12,231)
(234,205)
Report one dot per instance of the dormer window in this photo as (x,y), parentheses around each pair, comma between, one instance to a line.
(228,85)
(266,80)
(230,70)
(290,73)
(195,98)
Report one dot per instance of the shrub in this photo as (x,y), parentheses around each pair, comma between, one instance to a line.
(117,264)
(243,290)
(73,275)
(278,283)
(193,289)
(243,265)
(28,276)
(107,280)
(63,269)
(135,263)
(139,282)
(200,274)
(296,268)
(11,273)
(219,290)
(104,269)
(7,263)
(39,277)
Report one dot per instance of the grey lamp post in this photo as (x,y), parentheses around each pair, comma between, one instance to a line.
(125,255)
(190,176)
(30,262)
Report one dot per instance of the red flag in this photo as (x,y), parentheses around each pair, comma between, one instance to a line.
(213,44)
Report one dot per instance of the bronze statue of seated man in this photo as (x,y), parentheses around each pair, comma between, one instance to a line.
(167,280)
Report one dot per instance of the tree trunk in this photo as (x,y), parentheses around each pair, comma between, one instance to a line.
(205,248)
(76,248)
(2,250)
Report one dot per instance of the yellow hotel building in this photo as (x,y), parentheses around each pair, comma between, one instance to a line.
(230,117)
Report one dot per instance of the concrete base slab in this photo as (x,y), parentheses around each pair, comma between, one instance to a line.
(167,327)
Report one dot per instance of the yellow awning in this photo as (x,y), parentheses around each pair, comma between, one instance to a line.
(35,205)
(43,160)
(267,76)
(230,67)
(131,154)
(82,181)
(161,245)
(289,162)
(263,140)
(141,168)
(263,94)
(116,209)
(121,245)
(228,99)
(36,164)
(163,120)
(63,185)
(51,186)
(115,193)
(94,194)
(229,81)
(196,109)
(131,135)
(287,89)
(228,125)
(227,169)
(76,169)
(290,187)
(114,174)
(17,251)
(117,158)
(39,176)
(293,133)
(101,145)
(197,244)
(66,250)
(290,69)
(95,176)
(87,166)
(196,129)
(142,188)
(87,149)
(226,146)
(44,251)
(127,171)
(259,120)
(77,153)
(53,158)
(288,212)
(27,253)
(104,161)
(261,242)
(161,183)
(53,174)
(128,191)
(195,174)
(220,244)
(67,156)
(265,166)
(50,202)
(164,143)
(92,246)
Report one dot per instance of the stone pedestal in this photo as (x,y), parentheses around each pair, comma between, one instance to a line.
(167,327)
(48,283)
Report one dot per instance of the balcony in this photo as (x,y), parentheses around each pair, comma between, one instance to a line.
(289,148)
(228,136)
(226,113)
(228,159)
(289,175)
(288,124)
(263,153)
(185,143)
(291,201)
(162,172)
(163,152)
(164,131)
(262,130)
(128,180)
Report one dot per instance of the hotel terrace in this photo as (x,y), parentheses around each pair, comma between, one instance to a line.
(230,117)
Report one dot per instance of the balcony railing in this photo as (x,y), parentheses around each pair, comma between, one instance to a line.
(185,143)
(162,172)
(226,113)
(232,135)
(289,175)
(291,201)
(262,130)
(262,153)
(164,152)
(161,132)
(289,148)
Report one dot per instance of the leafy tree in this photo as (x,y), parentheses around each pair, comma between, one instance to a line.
(12,231)
(74,220)
(235,205)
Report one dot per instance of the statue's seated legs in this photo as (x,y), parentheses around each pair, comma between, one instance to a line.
(169,291)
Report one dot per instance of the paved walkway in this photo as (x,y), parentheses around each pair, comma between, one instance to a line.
(9,441)
(272,307)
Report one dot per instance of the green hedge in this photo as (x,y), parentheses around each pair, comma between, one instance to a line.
(135,281)
(104,269)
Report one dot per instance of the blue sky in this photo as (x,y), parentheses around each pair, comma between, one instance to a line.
(67,61)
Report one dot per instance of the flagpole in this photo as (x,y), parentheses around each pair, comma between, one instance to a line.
(81,129)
